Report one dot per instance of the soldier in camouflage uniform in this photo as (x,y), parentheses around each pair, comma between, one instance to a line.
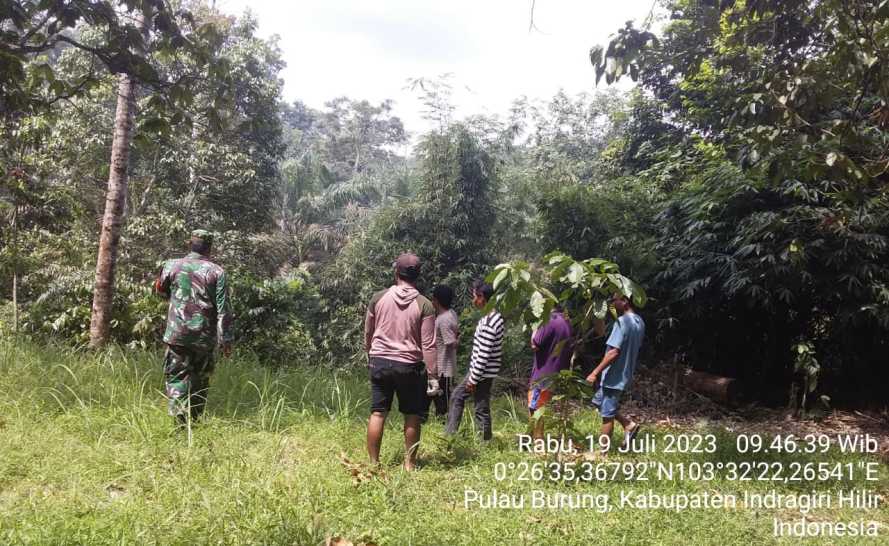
(199,318)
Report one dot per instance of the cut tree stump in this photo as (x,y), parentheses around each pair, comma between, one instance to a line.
(717,387)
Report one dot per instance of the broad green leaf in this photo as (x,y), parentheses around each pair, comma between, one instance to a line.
(600,309)
(537,303)
(499,277)
(576,273)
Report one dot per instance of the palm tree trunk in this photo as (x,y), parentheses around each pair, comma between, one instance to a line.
(115,207)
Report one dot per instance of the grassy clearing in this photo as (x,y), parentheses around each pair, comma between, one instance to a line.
(88,456)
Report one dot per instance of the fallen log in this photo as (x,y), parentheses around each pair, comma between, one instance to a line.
(716,387)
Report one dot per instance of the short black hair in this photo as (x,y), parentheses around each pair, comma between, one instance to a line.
(444,295)
(201,246)
(483,288)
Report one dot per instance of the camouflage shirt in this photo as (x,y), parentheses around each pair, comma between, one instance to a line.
(200,309)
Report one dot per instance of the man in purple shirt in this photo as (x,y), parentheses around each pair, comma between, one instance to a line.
(552,345)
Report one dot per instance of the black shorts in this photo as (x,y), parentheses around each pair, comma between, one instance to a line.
(389,378)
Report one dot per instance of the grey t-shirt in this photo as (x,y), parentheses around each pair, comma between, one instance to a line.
(447,330)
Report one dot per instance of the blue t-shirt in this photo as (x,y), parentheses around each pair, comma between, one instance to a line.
(626,335)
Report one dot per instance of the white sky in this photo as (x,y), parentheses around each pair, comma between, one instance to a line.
(368,49)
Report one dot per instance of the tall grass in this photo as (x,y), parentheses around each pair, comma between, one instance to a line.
(85,434)
(54,379)
(88,455)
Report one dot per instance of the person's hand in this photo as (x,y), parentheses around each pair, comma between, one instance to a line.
(470,387)
(432,387)
(592,377)
(227,350)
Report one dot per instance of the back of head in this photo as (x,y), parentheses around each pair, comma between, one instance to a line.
(483,289)
(444,295)
(407,267)
(201,242)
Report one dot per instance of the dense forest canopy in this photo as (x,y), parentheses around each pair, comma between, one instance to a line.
(741,182)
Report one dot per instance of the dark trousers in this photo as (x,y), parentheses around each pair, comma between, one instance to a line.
(481,401)
(390,379)
(443,401)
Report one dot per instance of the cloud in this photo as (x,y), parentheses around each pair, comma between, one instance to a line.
(404,31)
(367,50)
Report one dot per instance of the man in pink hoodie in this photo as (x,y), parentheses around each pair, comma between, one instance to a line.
(399,336)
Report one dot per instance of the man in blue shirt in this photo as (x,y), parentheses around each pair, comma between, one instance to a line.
(616,370)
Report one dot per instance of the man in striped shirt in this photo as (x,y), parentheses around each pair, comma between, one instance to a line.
(484,365)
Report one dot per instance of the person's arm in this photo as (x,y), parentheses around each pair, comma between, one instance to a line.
(427,337)
(162,283)
(488,340)
(370,320)
(538,338)
(370,323)
(614,343)
(224,315)
(610,356)
(478,361)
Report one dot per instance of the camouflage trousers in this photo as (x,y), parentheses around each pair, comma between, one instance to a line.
(187,380)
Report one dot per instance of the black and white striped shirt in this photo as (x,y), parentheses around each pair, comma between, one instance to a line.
(487,348)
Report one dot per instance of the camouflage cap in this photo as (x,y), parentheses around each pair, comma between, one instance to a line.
(202,235)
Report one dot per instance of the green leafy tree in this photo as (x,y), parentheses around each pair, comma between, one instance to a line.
(339,163)
(35,30)
(447,224)
(582,288)
(776,230)
(208,159)
(115,201)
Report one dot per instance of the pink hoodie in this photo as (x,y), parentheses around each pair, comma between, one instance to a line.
(400,326)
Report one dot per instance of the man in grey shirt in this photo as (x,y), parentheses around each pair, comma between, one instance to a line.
(447,332)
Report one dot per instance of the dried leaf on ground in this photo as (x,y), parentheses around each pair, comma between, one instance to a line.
(361,472)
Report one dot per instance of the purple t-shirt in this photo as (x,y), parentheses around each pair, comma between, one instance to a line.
(552,355)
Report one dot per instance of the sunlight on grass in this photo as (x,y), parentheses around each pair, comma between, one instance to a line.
(88,455)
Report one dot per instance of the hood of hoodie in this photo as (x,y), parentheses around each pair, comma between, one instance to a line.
(404,295)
